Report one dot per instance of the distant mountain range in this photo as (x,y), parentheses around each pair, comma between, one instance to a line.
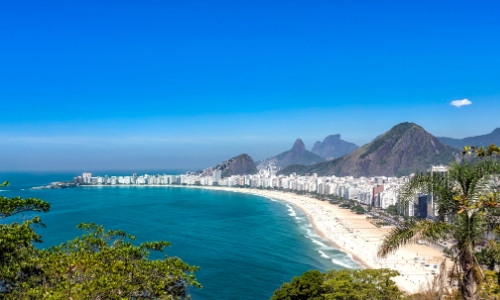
(297,155)
(404,149)
(480,140)
(242,164)
(332,147)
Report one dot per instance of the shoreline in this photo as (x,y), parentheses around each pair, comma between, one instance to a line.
(349,233)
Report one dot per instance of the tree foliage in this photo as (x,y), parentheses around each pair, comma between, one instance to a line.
(358,209)
(106,265)
(489,288)
(17,241)
(305,287)
(98,265)
(341,285)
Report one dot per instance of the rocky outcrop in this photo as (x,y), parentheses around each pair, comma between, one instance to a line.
(332,147)
(242,164)
(297,155)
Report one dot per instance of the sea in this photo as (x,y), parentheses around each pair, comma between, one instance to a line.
(246,246)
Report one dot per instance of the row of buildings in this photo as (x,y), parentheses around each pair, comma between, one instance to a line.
(378,191)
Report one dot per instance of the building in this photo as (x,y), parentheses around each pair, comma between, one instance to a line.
(217,176)
(422,206)
(376,191)
(431,211)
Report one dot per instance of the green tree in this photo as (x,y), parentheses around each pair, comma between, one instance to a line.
(467,205)
(17,241)
(367,284)
(98,265)
(392,210)
(106,265)
(358,209)
(309,286)
(489,287)
(341,285)
(489,256)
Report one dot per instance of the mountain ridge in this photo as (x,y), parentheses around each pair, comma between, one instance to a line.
(297,155)
(404,149)
(484,140)
(332,147)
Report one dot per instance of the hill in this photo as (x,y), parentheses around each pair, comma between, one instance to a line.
(242,164)
(297,155)
(403,149)
(480,140)
(332,147)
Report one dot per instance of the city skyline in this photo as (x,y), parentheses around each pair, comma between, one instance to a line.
(186,85)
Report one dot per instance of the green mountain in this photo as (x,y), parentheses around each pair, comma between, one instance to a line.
(404,149)
(480,140)
(297,155)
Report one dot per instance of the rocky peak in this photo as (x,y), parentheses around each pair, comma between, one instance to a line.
(333,146)
(332,137)
(239,165)
(299,146)
(297,155)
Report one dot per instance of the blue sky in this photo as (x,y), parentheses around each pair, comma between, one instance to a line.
(186,84)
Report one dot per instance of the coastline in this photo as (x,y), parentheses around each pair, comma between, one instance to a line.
(351,234)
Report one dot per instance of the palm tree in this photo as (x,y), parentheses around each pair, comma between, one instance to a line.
(468,207)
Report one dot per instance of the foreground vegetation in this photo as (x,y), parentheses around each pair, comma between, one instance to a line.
(373,284)
(344,284)
(467,205)
(98,265)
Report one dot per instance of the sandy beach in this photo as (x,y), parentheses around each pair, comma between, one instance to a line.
(355,235)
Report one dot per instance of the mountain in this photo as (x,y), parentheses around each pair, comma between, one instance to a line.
(403,149)
(297,155)
(242,164)
(332,147)
(480,140)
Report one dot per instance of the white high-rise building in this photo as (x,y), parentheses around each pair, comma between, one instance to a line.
(217,176)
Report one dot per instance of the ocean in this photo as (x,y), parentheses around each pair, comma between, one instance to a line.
(245,245)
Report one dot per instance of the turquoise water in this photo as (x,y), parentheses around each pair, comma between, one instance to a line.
(246,245)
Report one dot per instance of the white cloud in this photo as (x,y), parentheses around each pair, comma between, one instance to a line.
(459,103)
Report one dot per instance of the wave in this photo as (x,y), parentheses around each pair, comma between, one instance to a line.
(274,200)
(323,254)
(319,243)
(347,254)
(292,212)
(339,263)
(310,233)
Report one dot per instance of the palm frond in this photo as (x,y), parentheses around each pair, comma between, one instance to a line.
(410,232)
(436,184)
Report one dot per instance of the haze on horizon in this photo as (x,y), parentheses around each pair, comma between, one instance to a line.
(187,84)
